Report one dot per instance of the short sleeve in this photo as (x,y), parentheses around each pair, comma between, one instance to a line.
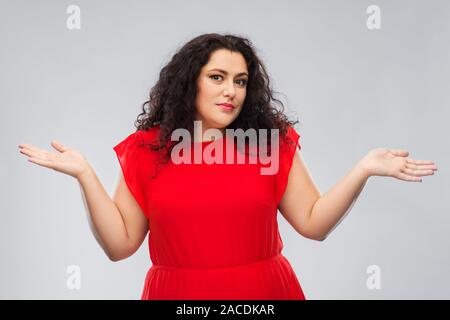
(129,155)
(286,155)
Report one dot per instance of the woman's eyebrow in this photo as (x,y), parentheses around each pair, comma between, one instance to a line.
(223,71)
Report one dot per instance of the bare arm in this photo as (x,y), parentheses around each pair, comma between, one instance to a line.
(119,234)
(315,216)
(331,208)
(119,225)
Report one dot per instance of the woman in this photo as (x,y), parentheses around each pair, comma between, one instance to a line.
(213,230)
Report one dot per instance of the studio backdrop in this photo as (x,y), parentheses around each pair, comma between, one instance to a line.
(356,74)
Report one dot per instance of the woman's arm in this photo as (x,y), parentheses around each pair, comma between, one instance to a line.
(315,216)
(119,234)
(118,225)
(331,208)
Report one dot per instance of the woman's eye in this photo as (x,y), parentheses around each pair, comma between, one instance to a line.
(244,82)
(216,75)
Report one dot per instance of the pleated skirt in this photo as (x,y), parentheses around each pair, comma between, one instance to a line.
(270,279)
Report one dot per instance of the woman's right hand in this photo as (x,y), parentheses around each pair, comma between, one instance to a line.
(65,160)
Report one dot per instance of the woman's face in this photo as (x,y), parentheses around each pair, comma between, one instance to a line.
(215,87)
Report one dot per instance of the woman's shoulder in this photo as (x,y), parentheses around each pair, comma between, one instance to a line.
(292,134)
(289,138)
(148,135)
(139,140)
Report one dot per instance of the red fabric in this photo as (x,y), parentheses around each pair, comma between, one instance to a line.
(213,231)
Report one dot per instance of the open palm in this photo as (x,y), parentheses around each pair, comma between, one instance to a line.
(394,163)
(65,160)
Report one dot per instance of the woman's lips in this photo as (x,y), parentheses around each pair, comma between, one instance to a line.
(226,106)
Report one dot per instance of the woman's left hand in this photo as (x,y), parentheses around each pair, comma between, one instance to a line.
(394,163)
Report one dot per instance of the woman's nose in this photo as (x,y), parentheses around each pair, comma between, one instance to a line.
(229,90)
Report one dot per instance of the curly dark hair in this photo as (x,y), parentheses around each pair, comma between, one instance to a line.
(171,102)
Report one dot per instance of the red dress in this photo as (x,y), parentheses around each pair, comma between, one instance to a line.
(213,231)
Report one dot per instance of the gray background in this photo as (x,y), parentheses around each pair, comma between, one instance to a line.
(353,89)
